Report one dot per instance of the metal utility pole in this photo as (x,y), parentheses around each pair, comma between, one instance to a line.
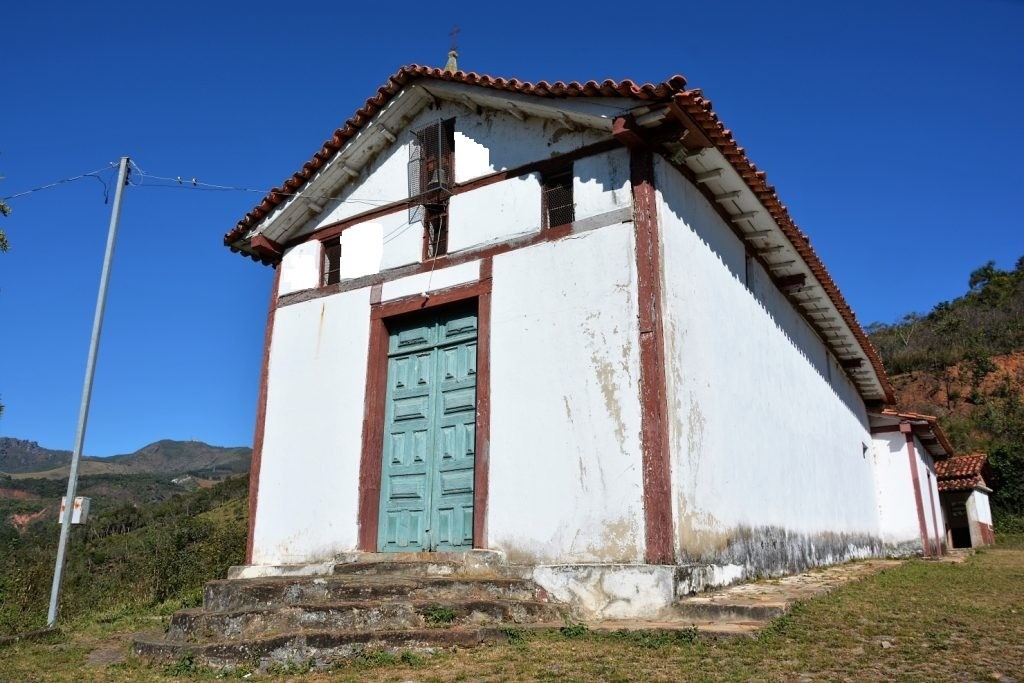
(83,413)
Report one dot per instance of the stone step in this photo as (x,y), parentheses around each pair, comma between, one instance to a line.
(704,611)
(318,648)
(401,568)
(242,594)
(198,625)
(470,563)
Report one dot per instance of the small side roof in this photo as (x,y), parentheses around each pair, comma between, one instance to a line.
(963,472)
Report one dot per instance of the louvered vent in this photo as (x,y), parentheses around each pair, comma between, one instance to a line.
(431,172)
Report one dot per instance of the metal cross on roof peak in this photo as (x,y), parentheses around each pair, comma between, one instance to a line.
(453,54)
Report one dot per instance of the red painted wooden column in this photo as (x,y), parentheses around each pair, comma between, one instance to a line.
(654,433)
(261,417)
(935,519)
(912,457)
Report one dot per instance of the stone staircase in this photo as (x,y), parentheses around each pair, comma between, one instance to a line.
(368,602)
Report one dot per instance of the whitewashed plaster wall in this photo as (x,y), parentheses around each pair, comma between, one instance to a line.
(494,213)
(485,142)
(897,504)
(309,477)
(929,493)
(768,438)
(300,268)
(978,513)
(362,249)
(982,509)
(565,460)
(601,183)
(431,281)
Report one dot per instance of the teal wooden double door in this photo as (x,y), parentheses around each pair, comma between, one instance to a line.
(429,434)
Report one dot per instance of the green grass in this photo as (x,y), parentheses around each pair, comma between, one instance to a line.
(921,621)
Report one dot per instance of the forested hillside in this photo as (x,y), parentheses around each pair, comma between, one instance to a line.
(128,557)
(964,362)
(164,520)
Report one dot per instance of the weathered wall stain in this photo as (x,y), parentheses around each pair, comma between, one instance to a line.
(766,551)
(618,541)
(695,441)
(320,329)
(604,371)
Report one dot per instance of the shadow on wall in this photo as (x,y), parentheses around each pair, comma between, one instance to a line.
(720,240)
(511,143)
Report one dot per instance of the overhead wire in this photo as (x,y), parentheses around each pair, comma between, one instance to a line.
(193,183)
(63,181)
(139,177)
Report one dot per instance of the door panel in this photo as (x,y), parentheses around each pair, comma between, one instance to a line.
(430,433)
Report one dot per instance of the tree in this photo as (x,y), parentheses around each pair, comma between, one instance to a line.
(5,210)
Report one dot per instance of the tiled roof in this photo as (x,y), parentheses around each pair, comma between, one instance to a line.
(408,74)
(692,102)
(961,473)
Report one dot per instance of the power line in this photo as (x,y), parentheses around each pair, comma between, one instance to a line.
(90,174)
(192,183)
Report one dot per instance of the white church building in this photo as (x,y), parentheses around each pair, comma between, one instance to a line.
(571,324)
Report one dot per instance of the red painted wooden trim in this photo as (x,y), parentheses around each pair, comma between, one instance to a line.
(373,435)
(416,302)
(654,432)
(376,386)
(625,130)
(482,462)
(935,520)
(613,217)
(540,166)
(912,457)
(261,418)
(266,248)
(885,428)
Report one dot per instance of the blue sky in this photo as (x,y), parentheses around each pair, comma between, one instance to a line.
(891,130)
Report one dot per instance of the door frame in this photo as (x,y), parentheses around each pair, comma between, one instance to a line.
(371,460)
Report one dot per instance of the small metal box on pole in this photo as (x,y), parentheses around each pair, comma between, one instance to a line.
(79,512)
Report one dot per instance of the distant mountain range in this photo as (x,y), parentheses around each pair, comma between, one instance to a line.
(22,459)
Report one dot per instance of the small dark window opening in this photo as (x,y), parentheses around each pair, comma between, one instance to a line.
(435,230)
(331,266)
(556,198)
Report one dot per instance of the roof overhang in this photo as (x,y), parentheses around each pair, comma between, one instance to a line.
(925,427)
(328,183)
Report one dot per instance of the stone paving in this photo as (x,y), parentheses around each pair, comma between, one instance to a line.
(747,607)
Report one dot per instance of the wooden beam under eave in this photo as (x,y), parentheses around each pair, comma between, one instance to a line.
(790,281)
(695,138)
(267,249)
(626,131)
